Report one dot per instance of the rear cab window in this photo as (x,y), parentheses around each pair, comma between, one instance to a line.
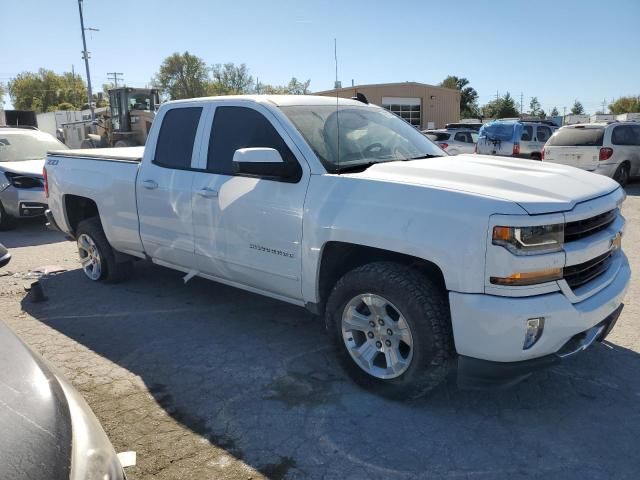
(177,135)
(578,137)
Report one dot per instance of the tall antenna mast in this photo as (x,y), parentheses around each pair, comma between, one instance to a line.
(335,57)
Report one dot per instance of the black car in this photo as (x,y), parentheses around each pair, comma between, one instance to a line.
(47,429)
(5,256)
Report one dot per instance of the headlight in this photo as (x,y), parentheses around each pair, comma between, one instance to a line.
(530,240)
(92,455)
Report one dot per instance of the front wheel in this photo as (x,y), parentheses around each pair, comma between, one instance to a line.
(97,258)
(622,174)
(391,329)
(7,222)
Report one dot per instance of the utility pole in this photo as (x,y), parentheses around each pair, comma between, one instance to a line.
(73,84)
(521,102)
(85,56)
(497,95)
(604,101)
(115,77)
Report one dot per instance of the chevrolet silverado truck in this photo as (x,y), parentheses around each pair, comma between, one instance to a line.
(418,261)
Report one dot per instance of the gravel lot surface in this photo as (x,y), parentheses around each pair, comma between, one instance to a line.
(205,381)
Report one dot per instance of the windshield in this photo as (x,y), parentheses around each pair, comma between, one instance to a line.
(15,147)
(366,135)
(140,101)
(577,137)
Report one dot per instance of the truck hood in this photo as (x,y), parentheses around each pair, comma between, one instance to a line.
(23,167)
(536,186)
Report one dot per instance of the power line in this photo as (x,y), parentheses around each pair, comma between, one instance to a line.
(114,76)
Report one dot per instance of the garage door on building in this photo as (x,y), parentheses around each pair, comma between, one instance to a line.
(407,108)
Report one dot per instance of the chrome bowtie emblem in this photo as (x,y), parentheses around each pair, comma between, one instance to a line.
(616,242)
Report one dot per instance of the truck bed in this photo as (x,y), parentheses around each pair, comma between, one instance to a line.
(126,154)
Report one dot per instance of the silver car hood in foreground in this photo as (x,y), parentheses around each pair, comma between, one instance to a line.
(35,421)
(23,167)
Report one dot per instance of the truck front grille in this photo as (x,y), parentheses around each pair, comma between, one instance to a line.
(583,228)
(577,275)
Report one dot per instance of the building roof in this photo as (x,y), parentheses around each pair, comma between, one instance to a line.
(392,84)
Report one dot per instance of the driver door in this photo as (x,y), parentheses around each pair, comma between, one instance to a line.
(248,229)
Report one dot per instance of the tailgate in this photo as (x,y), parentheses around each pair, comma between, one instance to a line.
(585,158)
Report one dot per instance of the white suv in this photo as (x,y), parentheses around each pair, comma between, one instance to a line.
(611,149)
(454,141)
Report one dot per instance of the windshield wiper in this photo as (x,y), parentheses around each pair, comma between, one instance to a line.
(420,157)
(358,167)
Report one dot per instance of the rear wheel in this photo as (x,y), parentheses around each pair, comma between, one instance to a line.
(391,329)
(98,259)
(622,174)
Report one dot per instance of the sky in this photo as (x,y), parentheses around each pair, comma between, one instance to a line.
(558,50)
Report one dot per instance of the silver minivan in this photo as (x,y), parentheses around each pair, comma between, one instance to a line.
(611,149)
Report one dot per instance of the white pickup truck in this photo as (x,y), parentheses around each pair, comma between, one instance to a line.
(418,261)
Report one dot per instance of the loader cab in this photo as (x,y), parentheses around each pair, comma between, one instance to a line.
(132,112)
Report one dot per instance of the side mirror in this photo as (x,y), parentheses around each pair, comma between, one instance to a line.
(264,162)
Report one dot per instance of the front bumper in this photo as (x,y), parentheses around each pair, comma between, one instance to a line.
(23,202)
(474,373)
(491,327)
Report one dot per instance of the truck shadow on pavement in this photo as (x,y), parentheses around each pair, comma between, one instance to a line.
(29,232)
(257,378)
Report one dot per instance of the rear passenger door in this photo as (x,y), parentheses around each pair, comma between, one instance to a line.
(248,229)
(163,187)
(543,133)
(626,146)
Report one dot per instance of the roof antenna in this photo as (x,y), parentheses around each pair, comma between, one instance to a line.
(335,57)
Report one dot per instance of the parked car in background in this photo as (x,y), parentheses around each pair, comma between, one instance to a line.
(454,141)
(337,206)
(5,256)
(514,138)
(22,154)
(611,149)
(48,430)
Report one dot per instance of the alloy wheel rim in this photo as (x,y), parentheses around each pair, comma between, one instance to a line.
(89,257)
(377,336)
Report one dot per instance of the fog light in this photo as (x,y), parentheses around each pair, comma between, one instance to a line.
(535,326)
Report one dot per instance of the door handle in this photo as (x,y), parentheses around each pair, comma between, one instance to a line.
(149,184)
(208,193)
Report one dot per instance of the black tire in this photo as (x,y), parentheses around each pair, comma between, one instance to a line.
(425,308)
(113,271)
(6,222)
(622,174)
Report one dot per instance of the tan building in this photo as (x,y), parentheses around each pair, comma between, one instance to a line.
(422,105)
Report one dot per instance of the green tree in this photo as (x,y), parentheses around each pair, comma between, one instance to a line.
(534,107)
(183,76)
(503,107)
(629,104)
(44,90)
(229,79)
(554,112)
(468,95)
(294,87)
(2,93)
(577,108)
(62,106)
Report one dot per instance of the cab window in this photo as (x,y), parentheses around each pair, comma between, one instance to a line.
(241,127)
(176,137)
